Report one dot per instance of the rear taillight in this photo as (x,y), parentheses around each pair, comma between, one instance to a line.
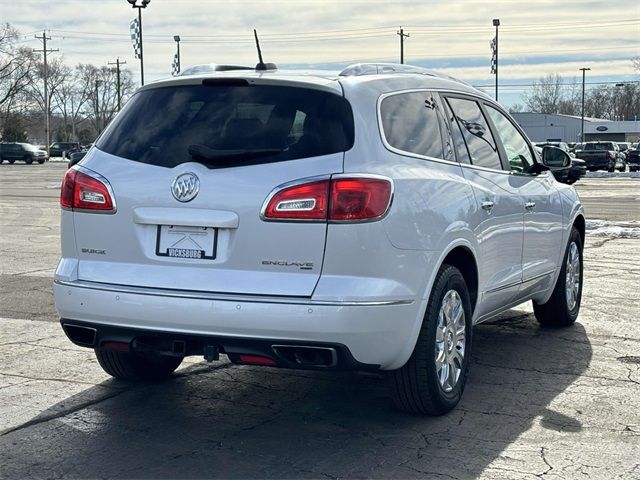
(341,199)
(360,198)
(84,192)
(307,201)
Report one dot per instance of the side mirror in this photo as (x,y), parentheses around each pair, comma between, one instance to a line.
(555,157)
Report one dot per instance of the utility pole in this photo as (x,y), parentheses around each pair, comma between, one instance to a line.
(98,82)
(117,63)
(582,120)
(402,37)
(47,119)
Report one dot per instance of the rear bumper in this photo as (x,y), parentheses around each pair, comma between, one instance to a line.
(599,164)
(365,335)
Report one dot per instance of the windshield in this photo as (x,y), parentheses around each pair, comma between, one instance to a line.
(229,125)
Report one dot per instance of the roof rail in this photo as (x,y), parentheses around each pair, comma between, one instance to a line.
(358,69)
(212,67)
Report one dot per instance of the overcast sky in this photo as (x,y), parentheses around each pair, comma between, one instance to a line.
(536,36)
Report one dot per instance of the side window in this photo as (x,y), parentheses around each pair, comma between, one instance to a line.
(410,123)
(476,133)
(458,139)
(518,151)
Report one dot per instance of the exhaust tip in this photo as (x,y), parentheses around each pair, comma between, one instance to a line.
(307,356)
(83,336)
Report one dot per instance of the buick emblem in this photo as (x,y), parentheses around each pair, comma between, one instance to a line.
(185,187)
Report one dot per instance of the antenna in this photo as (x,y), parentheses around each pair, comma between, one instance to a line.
(261,65)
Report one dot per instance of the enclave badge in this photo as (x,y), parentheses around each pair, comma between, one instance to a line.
(185,187)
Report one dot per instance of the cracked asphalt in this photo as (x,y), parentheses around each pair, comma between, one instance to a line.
(539,403)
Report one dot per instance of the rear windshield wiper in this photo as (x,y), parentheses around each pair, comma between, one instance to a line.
(202,152)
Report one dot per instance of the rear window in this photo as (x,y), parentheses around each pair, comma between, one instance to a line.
(229,125)
(598,146)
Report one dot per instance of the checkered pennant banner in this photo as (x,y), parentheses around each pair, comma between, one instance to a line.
(134,29)
(493,56)
(175,65)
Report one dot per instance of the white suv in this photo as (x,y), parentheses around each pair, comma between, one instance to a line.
(363,220)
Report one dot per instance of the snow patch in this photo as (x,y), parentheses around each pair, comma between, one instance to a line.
(604,228)
(612,174)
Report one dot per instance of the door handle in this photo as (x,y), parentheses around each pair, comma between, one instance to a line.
(530,205)
(487,205)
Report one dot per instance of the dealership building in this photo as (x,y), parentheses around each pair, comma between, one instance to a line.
(541,127)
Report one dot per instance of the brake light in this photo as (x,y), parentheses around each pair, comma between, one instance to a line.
(81,191)
(355,199)
(342,199)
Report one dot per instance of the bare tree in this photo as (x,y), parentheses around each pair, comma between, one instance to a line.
(16,65)
(103,102)
(545,94)
(70,99)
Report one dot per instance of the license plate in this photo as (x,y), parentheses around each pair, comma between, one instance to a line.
(187,242)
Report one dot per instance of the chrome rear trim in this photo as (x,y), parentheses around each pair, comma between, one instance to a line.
(223,297)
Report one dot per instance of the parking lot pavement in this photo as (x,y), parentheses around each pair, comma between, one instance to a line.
(539,402)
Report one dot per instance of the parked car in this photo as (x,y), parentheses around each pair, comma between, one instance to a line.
(599,155)
(624,146)
(78,155)
(58,149)
(577,171)
(633,158)
(22,152)
(315,221)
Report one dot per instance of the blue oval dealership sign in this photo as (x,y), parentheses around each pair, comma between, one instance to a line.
(602,128)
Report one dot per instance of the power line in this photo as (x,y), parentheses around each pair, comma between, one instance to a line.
(367,32)
(563,84)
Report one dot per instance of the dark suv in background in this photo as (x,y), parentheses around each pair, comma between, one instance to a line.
(21,151)
(58,149)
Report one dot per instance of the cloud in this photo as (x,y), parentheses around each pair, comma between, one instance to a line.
(451,35)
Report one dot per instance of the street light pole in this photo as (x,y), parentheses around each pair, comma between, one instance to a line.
(584,69)
(177,40)
(142,5)
(496,23)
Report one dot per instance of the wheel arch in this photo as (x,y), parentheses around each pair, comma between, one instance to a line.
(580,224)
(463,259)
(462,255)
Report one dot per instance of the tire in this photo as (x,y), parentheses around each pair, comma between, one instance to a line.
(40,162)
(130,366)
(612,168)
(11,162)
(562,308)
(28,160)
(417,386)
